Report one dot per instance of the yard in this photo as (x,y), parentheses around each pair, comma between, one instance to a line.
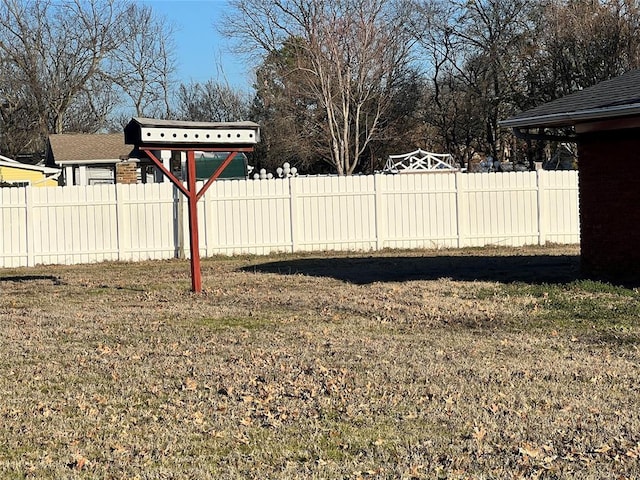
(477,363)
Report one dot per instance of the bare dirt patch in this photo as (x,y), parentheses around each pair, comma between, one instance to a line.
(492,363)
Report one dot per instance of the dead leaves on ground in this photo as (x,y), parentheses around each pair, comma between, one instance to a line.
(333,380)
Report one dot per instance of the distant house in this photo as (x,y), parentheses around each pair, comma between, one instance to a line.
(91,159)
(17,174)
(605,120)
(87,159)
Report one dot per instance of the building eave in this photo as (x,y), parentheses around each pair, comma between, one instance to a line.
(99,161)
(24,166)
(566,119)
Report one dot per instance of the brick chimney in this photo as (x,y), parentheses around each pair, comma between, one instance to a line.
(126,171)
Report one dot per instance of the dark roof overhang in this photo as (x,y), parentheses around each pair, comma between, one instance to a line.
(608,105)
(542,134)
(567,119)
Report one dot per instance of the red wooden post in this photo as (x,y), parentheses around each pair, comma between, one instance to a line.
(196,274)
(193,196)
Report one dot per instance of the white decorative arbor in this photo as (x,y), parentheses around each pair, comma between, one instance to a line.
(419,161)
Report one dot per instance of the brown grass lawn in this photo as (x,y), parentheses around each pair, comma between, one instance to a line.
(483,363)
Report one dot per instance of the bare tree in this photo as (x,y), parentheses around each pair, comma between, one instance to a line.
(17,104)
(92,109)
(68,66)
(143,62)
(292,123)
(585,43)
(448,106)
(347,55)
(54,51)
(472,47)
(211,102)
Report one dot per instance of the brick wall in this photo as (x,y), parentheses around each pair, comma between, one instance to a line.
(609,164)
(126,172)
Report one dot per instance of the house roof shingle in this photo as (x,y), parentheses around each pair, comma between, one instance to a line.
(74,147)
(618,97)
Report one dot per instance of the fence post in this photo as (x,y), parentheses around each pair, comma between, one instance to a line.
(293,212)
(29,226)
(122,224)
(541,207)
(378,211)
(203,221)
(460,208)
(178,222)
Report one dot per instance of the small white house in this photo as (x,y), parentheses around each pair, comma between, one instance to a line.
(87,159)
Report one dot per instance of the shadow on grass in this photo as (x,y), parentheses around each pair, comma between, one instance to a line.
(364,270)
(31,278)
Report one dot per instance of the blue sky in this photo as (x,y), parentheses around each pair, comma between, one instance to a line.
(201,52)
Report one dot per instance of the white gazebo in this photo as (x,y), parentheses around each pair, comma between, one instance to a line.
(420,161)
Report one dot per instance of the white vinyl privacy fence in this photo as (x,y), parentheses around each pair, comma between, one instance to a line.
(69,225)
